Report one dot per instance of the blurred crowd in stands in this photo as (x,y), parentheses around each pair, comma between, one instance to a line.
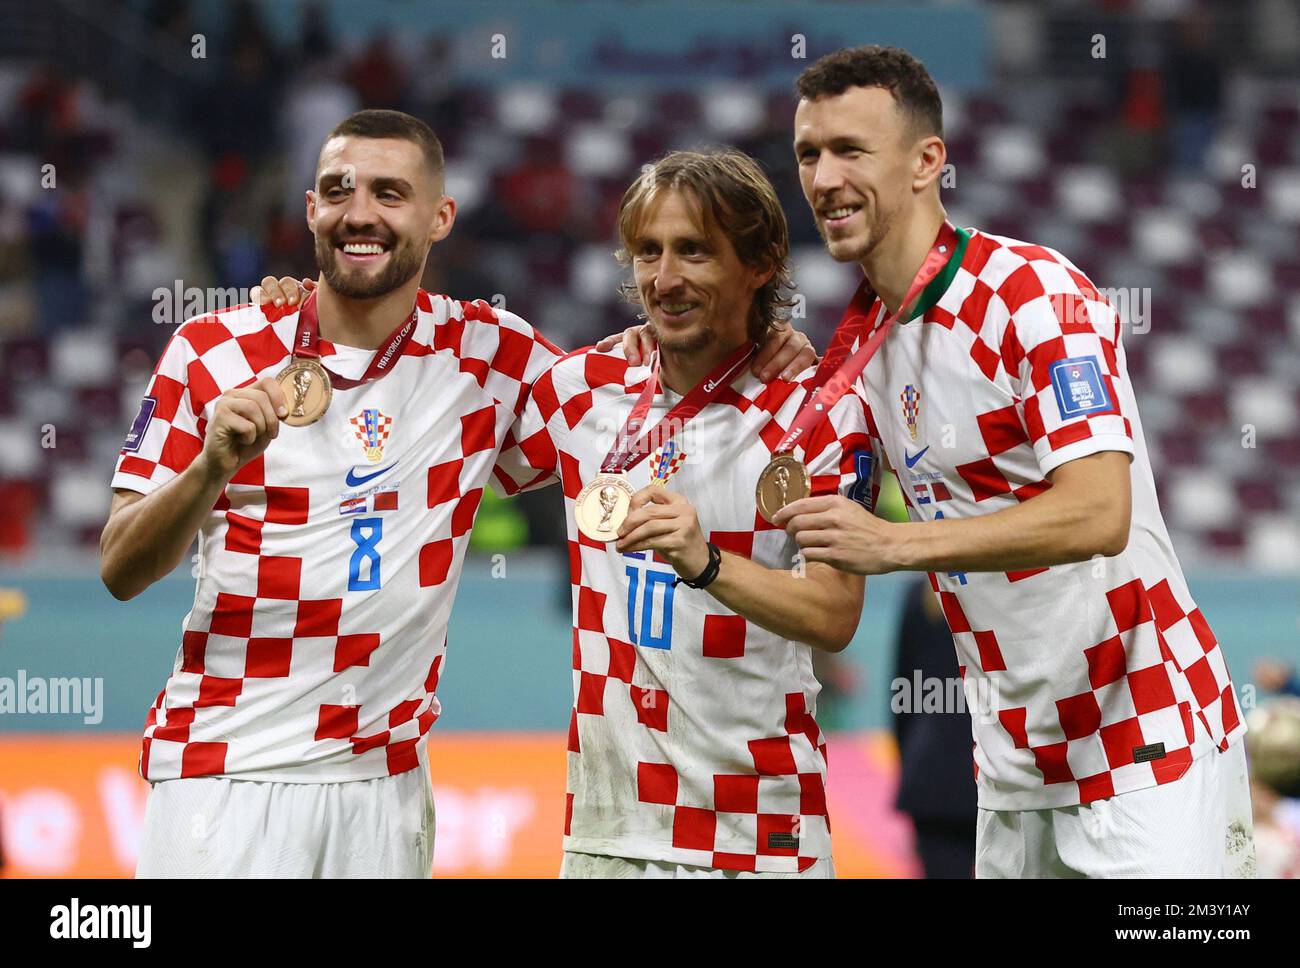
(136,173)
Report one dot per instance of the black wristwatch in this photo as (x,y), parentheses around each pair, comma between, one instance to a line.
(705,578)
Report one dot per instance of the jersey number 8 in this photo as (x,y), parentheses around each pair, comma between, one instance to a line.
(366,532)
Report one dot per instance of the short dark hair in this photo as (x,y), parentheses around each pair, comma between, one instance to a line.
(892,68)
(382,123)
(730,192)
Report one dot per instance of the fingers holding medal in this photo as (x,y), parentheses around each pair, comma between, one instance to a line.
(602,506)
(784,481)
(307,390)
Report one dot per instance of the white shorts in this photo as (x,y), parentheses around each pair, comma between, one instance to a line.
(218,827)
(577,865)
(1200,825)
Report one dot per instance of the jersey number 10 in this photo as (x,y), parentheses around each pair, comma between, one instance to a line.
(655,628)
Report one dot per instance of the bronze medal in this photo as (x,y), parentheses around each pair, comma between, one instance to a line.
(307,389)
(602,506)
(783,481)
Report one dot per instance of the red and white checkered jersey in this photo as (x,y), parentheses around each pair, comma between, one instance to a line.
(1101,676)
(692,738)
(327,568)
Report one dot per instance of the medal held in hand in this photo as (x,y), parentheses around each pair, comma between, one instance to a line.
(603,504)
(308,387)
(782,482)
(785,480)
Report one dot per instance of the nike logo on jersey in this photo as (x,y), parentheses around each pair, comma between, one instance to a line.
(356,480)
(911,461)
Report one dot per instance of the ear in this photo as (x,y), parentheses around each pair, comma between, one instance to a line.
(931,155)
(761,274)
(311,210)
(444,219)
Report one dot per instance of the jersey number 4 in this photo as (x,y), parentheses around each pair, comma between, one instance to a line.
(366,532)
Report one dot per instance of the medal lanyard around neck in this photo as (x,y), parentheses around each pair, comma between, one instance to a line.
(836,374)
(307,344)
(627,453)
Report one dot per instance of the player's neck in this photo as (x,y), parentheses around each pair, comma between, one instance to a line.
(894,263)
(363,323)
(683,372)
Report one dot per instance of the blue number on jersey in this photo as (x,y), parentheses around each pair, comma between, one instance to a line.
(366,532)
(959,575)
(642,633)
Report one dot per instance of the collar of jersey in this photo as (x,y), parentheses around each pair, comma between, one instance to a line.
(932,293)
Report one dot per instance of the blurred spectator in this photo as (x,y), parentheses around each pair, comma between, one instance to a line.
(936,786)
(537,193)
(1273,742)
(379,76)
(56,227)
(1275,676)
(1195,88)
(174,167)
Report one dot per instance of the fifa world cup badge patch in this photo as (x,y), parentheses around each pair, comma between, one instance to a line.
(1079,387)
(665,462)
(911,398)
(135,437)
(372,429)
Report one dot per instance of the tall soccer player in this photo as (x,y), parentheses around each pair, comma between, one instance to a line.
(693,745)
(330,457)
(1004,407)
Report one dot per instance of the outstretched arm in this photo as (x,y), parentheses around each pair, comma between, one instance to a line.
(785,352)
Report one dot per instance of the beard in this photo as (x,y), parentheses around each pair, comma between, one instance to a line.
(404,261)
(684,343)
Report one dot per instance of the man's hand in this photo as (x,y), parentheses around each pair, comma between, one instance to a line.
(638,344)
(786,350)
(243,425)
(286,291)
(662,521)
(840,532)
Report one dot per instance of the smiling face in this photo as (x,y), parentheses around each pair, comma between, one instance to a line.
(858,155)
(376,209)
(693,286)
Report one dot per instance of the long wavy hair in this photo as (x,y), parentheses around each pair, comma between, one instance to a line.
(731,194)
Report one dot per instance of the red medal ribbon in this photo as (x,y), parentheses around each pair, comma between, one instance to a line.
(627,453)
(307,343)
(835,375)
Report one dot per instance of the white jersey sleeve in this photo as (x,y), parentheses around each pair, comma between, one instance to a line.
(1061,346)
(167,433)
